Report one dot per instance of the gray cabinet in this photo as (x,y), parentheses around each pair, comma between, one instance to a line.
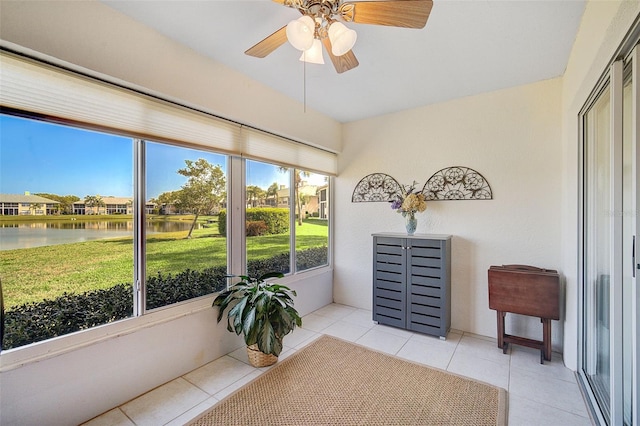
(412,282)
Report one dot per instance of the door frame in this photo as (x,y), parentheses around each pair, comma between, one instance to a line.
(613,78)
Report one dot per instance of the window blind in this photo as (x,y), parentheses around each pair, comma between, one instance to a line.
(258,145)
(33,87)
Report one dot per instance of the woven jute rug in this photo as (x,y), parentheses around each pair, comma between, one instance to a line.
(333,382)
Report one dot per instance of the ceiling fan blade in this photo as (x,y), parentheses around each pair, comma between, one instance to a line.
(341,63)
(269,44)
(394,13)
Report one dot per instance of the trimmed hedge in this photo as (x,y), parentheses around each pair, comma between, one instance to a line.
(188,284)
(33,322)
(311,258)
(68,313)
(276,219)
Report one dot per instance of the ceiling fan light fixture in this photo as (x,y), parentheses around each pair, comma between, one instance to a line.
(300,32)
(342,38)
(313,55)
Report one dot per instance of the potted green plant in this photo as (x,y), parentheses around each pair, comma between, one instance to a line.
(263,312)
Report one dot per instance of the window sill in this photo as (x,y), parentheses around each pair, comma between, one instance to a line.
(38,351)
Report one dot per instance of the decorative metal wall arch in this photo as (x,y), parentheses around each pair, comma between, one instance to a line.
(457,183)
(375,187)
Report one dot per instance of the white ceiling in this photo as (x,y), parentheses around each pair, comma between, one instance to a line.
(466,48)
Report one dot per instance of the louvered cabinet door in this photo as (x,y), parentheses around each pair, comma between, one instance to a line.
(428,299)
(389,281)
(411,282)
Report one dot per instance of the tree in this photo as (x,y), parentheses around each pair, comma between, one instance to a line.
(272,191)
(254,195)
(167,201)
(204,188)
(94,201)
(297,183)
(34,207)
(66,201)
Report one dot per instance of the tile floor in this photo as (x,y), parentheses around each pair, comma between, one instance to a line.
(538,394)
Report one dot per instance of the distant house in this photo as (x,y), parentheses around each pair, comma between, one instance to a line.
(27,205)
(313,199)
(282,197)
(109,205)
(323,202)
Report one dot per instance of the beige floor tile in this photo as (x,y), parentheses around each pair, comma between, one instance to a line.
(394,330)
(297,336)
(315,322)
(452,340)
(114,417)
(335,311)
(193,412)
(308,341)
(528,359)
(482,348)
(238,384)
(482,369)
(360,317)
(164,403)
(218,374)
(346,331)
(547,390)
(427,353)
(538,394)
(379,340)
(525,412)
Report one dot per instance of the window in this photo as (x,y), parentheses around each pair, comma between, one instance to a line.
(267,218)
(151,238)
(186,254)
(282,202)
(89,280)
(56,269)
(312,219)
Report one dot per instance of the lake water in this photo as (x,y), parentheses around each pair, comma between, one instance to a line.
(25,235)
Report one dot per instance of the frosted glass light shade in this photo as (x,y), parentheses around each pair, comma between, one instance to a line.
(300,32)
(342,38)
(314,54)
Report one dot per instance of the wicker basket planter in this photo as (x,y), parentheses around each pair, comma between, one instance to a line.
(257,358)
(262,312)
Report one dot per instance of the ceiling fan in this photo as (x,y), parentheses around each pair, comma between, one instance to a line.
(321,24)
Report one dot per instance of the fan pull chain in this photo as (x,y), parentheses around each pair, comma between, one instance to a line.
(304,85)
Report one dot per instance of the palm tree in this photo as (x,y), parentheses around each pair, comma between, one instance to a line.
(94,201)
(34,206)
(272,191)
(297,183)
(254,193)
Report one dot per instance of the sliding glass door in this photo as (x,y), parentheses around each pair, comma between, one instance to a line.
(610,224)
(629,227)
(598,245)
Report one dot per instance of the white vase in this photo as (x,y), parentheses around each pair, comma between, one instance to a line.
(411,224)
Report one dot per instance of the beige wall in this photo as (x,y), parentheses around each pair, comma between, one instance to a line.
(513,138)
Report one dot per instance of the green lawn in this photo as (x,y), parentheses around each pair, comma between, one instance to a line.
(33,274)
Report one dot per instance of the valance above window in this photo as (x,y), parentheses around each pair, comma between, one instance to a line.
(64,96)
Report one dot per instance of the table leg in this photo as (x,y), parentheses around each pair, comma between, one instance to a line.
(501,329)
(546,338)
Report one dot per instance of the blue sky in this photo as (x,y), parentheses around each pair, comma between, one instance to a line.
(42,157)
